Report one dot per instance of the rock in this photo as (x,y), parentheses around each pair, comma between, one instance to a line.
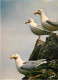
(46,50)
(49,50)
(36,50)
(53,64)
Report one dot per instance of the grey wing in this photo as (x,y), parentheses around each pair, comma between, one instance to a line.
(40,27)
(28,65)
(52,22)
(33,64)
(40,61)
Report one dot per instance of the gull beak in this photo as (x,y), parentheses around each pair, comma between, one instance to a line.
(35,13)
(11,57)
(26,22)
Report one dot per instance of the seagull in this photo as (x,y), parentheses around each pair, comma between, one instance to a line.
(37,28)
(26,68)
(47,23)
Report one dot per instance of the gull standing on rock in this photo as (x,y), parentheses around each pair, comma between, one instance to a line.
(37,28)
(28,67)
(47,23)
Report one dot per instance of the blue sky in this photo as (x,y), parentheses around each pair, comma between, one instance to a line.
(16,36)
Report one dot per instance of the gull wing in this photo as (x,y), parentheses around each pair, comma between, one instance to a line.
(28,65)
(40,27)
(32,64)
(52,22)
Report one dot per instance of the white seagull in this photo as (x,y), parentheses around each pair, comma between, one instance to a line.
(26,68)
(47,23)
(37,28)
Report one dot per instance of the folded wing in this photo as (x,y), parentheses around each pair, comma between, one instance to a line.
(52,22)
(32,64)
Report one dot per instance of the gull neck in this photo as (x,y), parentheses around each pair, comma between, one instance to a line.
(33,24)
(43,16)
(19,62)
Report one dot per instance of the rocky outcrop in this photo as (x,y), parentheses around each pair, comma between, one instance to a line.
(46,50)
(49,50)
(35,53)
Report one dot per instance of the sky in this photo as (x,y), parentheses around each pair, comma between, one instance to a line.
(15,35)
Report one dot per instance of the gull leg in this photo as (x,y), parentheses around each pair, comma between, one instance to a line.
(39,38)
(35,76)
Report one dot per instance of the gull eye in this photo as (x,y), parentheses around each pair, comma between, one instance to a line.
(38,10)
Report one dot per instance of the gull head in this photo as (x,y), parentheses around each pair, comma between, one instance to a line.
(14,56)
(29,21)
(39,11)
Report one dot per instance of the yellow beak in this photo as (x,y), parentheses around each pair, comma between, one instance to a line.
(11,57)
(35,13)
(26,22)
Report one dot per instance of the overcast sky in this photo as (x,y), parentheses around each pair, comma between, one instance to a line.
(16,35)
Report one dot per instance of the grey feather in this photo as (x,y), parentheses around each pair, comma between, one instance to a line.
(52,22)
(40,27)
(28,65)
(32,64)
